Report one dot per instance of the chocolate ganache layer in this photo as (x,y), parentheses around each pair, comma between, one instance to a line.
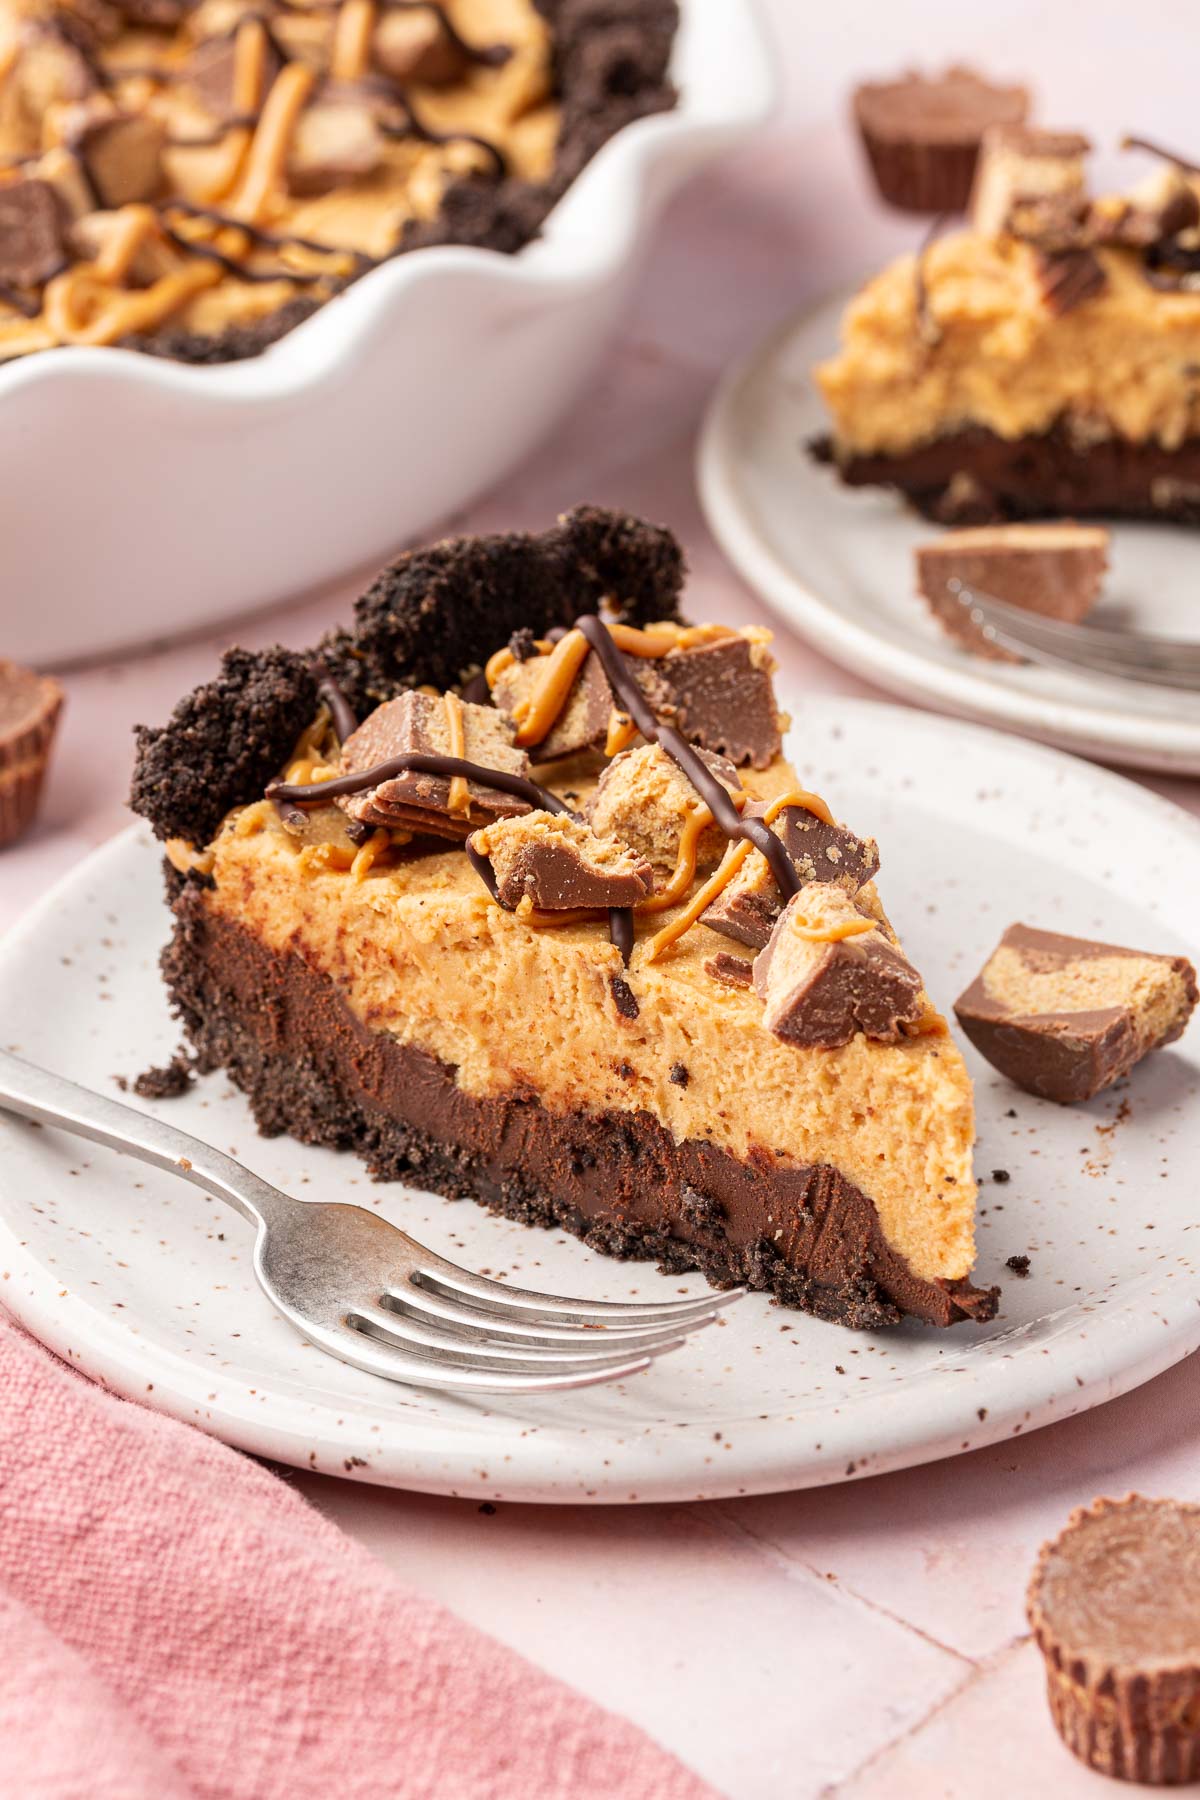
(619,1181)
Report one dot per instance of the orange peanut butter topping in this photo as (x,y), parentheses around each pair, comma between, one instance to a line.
(303,122)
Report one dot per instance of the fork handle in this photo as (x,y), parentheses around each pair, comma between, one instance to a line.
(50,1099)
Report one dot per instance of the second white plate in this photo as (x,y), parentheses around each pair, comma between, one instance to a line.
(836,563)
(137,1279)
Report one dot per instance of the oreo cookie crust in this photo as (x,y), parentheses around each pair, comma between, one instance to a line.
(431,617)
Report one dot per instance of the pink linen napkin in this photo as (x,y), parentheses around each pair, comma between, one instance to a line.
(177,1622)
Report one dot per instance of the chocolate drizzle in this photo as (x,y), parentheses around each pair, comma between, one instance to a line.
(345,719)
(309,793)
(710,790)
(414,127)
(272,240)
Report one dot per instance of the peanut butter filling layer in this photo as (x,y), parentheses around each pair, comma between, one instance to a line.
(419,950)
(973,343)
(298,172)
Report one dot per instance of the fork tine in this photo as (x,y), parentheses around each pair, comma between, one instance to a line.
(378,1358)
(482,1335)
(1116,655)
(451,1284)
(481,1353)
(484,1317)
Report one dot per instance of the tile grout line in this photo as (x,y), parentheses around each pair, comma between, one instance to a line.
(780,1556)
(977,1672)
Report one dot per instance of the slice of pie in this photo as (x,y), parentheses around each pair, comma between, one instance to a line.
(510,889)
(1042,362)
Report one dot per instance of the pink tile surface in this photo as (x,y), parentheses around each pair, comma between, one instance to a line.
(866,1640)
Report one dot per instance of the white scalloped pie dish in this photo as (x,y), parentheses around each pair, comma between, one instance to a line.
(141,499)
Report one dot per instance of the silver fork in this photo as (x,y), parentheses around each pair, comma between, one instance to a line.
(366,1292)
(1123,655)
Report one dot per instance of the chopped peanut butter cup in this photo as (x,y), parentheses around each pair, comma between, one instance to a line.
(1065,1017)
(1054,570)
(1114,1604)
(29,709)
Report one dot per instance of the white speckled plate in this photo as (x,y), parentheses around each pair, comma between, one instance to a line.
(837,564)
(140,1281)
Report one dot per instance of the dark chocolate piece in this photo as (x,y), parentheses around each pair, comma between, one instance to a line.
(122,158)
(1018,1264)
(922,135)
(819,993)
(32,246)
(719,695)
(1065,1017)
(624,998)
(559,864)
(1114,1604)
(749,906)
(1055,571)
(616,1179)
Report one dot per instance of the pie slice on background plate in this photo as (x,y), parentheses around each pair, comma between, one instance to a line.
(402,933)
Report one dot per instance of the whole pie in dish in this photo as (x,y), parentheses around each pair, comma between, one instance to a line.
(1043,362)
(195,177)
(510,889)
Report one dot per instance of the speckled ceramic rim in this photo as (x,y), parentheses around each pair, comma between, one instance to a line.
(1170,744)
(593,230)
(1148,1324)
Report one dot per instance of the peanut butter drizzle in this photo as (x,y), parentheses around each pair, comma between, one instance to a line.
(352,40)
(536,716)
(716,884)
(249,74)
(459,797)
(732,861)
(832,934)
(621,732)
(268,153)
(82,308)
(684,872)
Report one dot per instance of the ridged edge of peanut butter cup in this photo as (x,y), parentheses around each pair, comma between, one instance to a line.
(1133,1718)
(25,749)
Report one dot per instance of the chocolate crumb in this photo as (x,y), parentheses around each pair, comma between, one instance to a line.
(623,997)
(1018,1264)
(1002,1175)
(679,1074)
(166,1082)
(487,1508)
(523,644)
(981,1414)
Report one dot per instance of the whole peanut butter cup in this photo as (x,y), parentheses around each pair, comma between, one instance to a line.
(922,134)
(29,709)
(1114,1604)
